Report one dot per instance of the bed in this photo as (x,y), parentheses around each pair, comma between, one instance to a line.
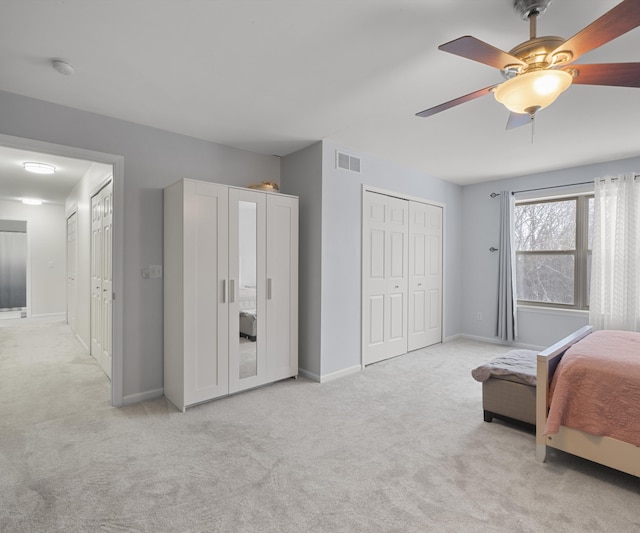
(559,422)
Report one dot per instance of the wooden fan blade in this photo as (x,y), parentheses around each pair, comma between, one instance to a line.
(615,74)
(614,23)
(518,119)
(478,50)
(456,101)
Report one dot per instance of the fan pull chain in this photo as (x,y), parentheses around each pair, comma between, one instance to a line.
(533,126)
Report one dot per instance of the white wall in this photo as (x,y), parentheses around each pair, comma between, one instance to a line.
(46,231)
(302,176)
(480,220)
(80,201)
(153,159)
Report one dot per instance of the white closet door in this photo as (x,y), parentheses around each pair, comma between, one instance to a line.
(107,277)
(96,276)
(282,286)
(425,275)
(101,279)
(385,276)
(247,289)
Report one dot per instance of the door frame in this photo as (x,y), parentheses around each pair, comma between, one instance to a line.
(411,198)
(117,162)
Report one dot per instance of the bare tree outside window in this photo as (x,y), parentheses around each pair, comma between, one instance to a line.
(550,237)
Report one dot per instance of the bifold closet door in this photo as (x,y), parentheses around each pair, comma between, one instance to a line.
(385,276)
(101,276)
(247,289)
(425,275)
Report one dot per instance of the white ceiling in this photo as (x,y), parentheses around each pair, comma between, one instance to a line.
(16,183)
(273,76)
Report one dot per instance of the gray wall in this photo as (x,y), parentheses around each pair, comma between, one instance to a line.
(302,176)
(480,220)
(341,248)
(152,159)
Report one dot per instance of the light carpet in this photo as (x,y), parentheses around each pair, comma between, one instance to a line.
(401,446)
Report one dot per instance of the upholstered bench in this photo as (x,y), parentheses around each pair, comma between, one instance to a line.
(509,386)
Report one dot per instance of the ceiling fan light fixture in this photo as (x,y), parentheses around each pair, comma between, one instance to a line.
(532,90)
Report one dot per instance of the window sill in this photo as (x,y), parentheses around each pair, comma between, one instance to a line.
(552,311)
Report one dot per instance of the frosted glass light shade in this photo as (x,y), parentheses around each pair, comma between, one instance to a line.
(39,168)
(531,91)
(32,201)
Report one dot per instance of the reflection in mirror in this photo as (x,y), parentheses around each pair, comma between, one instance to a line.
(247,233)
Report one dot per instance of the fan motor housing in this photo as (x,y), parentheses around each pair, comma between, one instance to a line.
(534,53)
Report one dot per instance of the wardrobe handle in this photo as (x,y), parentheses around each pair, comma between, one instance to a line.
(224,291)
(268,288)
(232,286)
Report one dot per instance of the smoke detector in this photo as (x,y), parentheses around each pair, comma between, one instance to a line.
(63,67)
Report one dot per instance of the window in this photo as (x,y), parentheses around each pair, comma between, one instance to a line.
(553,251)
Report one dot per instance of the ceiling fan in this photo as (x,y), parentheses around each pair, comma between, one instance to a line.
(538,70)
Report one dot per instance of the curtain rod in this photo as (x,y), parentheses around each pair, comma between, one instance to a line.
(494,194)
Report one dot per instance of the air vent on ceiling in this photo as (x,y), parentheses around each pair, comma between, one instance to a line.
(347,162)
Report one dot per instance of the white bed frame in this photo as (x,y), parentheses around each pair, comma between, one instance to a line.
(604,450)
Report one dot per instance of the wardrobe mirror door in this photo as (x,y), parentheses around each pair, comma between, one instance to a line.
(247,289)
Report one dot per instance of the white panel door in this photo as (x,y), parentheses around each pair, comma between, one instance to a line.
(101,276)
(282,287)
(247,289)
(96,276)
(72,268)
(107,278)
(385,273)
(425,275)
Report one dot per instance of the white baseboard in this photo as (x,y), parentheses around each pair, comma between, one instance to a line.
(309,375)
(452,338)
(493,340)
(50,316)
(81,341)
(329,377)
(340,373)
(142,396)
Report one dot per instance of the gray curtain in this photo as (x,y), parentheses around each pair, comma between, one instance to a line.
(13,269)
(507,323)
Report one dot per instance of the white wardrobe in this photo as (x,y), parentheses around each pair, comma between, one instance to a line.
(230,290)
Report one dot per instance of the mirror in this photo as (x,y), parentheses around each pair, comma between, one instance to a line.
(247,293)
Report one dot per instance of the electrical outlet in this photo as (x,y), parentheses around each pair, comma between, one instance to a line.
(478,316)
(152,271)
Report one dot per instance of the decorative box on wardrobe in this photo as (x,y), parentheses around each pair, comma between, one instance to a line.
(230,290)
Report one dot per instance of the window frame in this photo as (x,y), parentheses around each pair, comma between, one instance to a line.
(581,253)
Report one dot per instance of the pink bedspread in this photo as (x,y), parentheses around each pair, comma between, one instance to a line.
(596,387)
